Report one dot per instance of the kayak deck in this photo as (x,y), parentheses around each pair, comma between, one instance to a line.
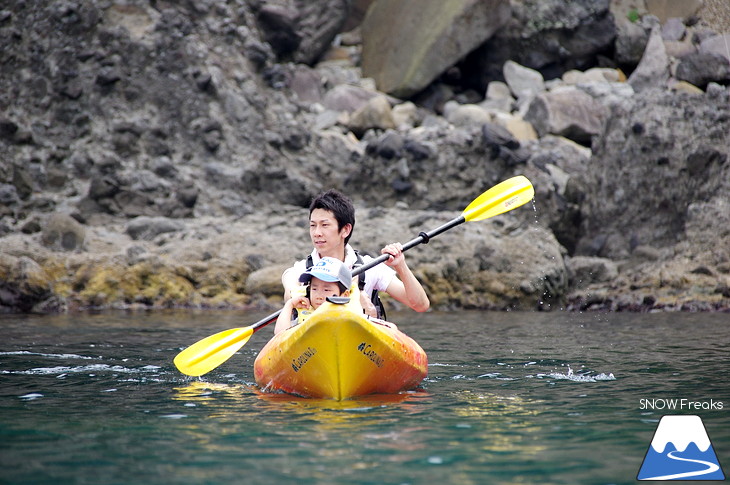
(338,354)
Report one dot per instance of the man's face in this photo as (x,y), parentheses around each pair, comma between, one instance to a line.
(327,239)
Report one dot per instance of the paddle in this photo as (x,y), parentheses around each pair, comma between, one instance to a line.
(210,352)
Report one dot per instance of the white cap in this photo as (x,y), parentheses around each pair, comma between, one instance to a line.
(329,269)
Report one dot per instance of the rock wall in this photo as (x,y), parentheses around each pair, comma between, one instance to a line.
(157,154)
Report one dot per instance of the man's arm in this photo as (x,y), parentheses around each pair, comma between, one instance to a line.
(405,288)
(367,306)
(283,321)
(290,278)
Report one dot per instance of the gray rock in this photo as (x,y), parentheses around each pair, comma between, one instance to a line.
(551,36)
(568,112)
(584,271)
(307,84)
(646,253)
(279,26)
(653,69)
(608,93)
(25,285)
(405,115)
(673,29)
(389,145)
(376,113)
(147,228)
(631,42)
(348,98)
(266,281)
(498,90)
(466,115)
(318,22)
(525,83)
(677,49)
(661,169)
(61,232)
(701,69)
(404,50)
(716,44)
(497,137)
(8,195)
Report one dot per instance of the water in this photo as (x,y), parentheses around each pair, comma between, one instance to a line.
(510,398)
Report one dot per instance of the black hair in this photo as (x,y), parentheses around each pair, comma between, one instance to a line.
(341,207)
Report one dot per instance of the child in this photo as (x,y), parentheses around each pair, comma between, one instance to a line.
(329,277)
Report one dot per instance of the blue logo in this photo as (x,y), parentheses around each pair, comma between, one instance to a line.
(680,450)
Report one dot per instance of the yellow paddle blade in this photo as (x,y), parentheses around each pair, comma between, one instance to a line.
(503,197)
(207,354)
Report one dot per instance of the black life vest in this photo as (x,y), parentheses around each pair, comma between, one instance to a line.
(374,297)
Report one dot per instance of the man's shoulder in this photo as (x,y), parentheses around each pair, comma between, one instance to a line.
(299,267)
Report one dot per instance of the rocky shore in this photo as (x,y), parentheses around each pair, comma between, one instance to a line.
(160,154)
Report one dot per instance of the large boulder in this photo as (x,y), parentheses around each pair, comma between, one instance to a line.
(667,9)
(63,233)
(568,112)
(653,68)
(551,36)
(25,286)
(407,45)
(650,166)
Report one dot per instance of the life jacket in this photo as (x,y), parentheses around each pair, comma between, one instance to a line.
(374,297)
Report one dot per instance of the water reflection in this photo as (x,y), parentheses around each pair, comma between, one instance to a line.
(501,424)
(201,392)
(230,398)
(361,434)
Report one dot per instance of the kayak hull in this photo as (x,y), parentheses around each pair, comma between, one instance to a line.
(338,354)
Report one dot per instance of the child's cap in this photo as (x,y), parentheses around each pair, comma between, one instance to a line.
(329,269)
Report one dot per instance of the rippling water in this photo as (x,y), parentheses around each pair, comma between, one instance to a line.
(510,398)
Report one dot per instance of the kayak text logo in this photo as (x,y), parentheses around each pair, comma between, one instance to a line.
(680,450)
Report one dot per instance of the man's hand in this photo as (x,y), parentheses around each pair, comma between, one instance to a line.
(367,306)
(396,254)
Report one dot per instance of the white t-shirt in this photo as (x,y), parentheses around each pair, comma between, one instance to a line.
(376,278)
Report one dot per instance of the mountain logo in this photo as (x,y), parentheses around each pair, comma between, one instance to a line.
(680,450)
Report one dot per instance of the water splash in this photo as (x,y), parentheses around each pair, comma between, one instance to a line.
(53,356)
(92,368)
(580,377)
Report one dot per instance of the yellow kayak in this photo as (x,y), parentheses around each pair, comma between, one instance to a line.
(338,353)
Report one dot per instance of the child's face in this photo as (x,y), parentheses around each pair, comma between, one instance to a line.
(319,291)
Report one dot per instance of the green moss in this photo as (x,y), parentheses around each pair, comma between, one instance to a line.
(140,283)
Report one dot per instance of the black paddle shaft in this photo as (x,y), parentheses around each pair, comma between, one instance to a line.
(423,238)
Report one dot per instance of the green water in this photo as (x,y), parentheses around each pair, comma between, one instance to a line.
(511,398)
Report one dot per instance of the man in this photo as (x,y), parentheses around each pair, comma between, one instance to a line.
(331,222)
